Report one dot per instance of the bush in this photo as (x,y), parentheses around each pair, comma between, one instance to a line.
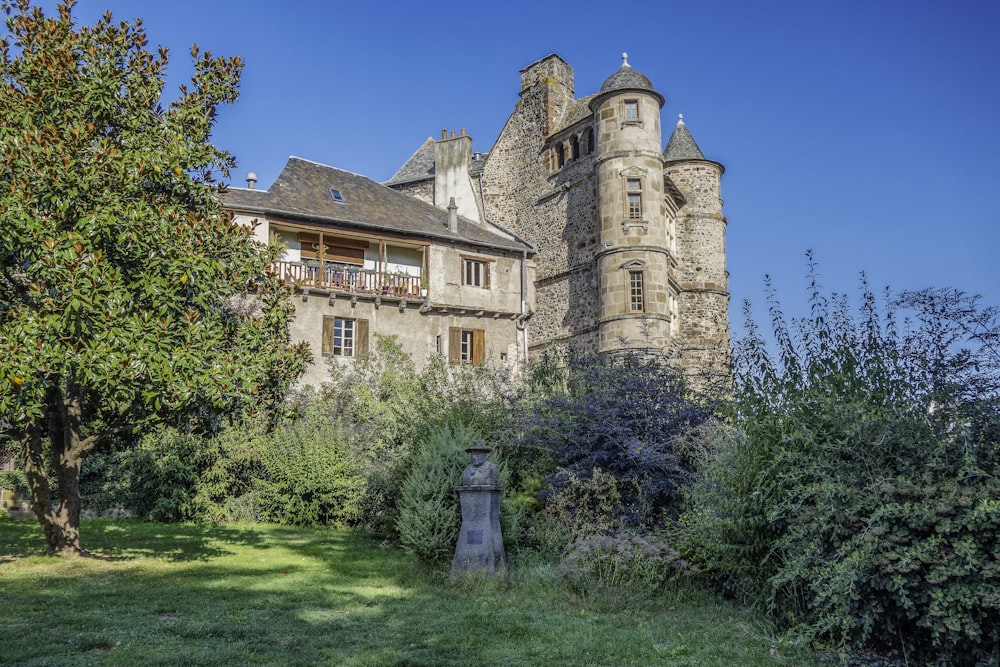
(304,472)
(387,406)
(429,513)
(858,499)
(642,564)
(609,437)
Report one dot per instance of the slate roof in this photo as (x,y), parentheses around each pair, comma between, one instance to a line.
(302,193)
(576,111)
(627,77)
(682,145)
(419,167)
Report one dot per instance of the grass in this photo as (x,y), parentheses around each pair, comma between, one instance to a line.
(271,595)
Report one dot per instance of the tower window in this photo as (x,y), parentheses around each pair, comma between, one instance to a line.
(631,113)
(633,188)
(635,298)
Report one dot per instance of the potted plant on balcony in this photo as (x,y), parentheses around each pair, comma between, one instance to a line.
(423,285)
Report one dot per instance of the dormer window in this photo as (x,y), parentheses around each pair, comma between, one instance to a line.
(337,195)
(631,111)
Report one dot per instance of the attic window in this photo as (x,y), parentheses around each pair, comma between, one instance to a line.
(337,195)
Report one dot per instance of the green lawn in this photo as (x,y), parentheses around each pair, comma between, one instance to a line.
(271,595)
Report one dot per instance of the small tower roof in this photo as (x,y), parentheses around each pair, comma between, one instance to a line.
(627,77)
(682,145)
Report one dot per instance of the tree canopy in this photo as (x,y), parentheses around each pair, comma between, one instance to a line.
(128,296)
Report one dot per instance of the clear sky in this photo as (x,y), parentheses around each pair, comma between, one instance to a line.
(866,130)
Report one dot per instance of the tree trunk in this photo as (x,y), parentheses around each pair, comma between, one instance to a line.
(61,525)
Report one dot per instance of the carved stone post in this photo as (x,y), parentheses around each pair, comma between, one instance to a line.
(480,544)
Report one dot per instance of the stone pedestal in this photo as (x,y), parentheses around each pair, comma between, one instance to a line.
(480,544)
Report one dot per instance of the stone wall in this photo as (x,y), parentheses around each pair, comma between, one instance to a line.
(702,274)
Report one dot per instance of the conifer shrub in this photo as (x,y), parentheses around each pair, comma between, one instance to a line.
(429,513)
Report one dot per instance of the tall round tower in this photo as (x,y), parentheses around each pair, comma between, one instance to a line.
(634,261)
(701,271)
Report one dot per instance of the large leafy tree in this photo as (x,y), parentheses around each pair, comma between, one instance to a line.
(127,295)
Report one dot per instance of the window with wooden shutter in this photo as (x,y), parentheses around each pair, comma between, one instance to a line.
(467,346)
(361,338)
(478,347)
(455,345)
(343,337)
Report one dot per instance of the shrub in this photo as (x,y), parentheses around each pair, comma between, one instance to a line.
(429,514)
(858,498)
(303,472)
(599,418)
(620,560)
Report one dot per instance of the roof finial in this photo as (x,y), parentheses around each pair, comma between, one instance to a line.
(680,119)
(625,60)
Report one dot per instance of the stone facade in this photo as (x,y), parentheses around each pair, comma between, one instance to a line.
(629,235)
(366,261)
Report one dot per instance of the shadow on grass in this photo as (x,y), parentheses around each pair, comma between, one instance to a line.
(267,595)
(125,539)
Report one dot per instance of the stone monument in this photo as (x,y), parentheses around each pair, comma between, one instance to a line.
(480,544)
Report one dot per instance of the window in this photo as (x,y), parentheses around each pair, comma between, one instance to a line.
(560,156)
(590,141)
(631,114)
(575,145)
(337,195)
(635,299)
(344,338)
(466,346)
(475,272)
(633,188)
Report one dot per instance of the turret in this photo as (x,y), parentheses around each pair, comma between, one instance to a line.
(634,260)
(701,248)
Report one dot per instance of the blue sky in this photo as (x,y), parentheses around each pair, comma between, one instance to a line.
(868,131)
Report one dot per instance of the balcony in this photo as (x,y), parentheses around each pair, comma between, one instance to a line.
(347,279)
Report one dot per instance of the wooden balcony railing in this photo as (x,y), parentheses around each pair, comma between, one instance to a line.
(347,279)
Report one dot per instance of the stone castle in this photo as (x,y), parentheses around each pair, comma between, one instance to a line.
(630,237)
(578,228)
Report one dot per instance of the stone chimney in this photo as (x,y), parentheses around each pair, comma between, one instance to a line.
(452,216)
(452,183)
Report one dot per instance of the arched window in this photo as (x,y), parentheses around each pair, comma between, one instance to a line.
(560,156)
(590,140)
(575,145)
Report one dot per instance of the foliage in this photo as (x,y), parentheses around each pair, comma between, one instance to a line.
(390,407)
(640,564)
(14,480)
(127,295)
(621,423)
(859,499)
(429,512)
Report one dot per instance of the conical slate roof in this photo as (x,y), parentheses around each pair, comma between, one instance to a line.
(682,145)
(627,77)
